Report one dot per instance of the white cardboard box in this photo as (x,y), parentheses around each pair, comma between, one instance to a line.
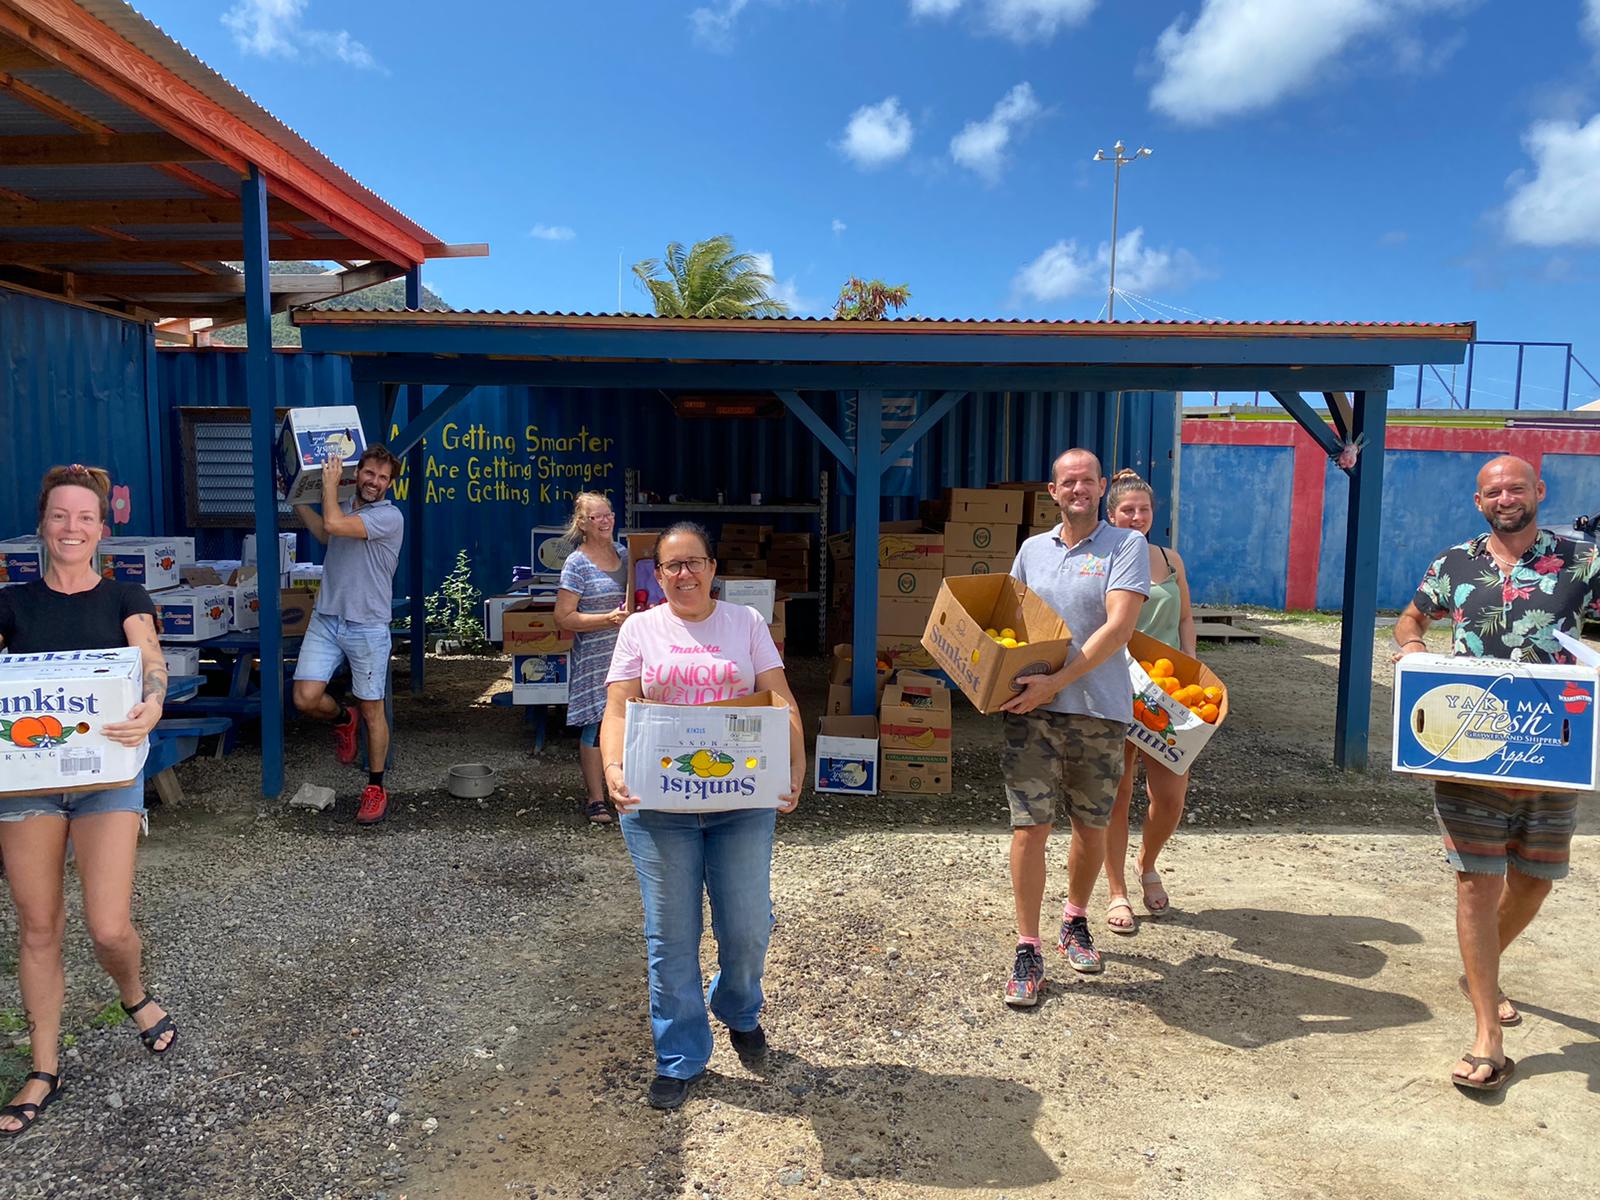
(182,660)
(708,757)
(152,563)
(286,550)
(847,755)
(539,678)
(21,559)
(244,600)
(759,594)
(1496,722)
(306,575)
(52,709)
(192,614)
(1172,734)
(310,437)
(549,548)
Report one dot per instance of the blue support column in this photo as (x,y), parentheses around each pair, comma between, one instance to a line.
(1353,713)
(414,515)
(260,393)
(868,481)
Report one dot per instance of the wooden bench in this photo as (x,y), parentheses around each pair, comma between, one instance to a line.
(175,740)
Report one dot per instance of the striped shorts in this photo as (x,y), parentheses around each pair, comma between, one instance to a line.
(1484,829)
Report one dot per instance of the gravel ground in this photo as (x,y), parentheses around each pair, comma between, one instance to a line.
(454,1004)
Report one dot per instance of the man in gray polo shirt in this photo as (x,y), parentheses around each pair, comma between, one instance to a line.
(350,622)
(1064,731)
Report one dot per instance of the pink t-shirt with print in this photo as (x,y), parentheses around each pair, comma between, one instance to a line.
(694,662)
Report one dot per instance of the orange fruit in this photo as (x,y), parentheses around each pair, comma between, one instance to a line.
(1208,713)
(1146,667)
(1188,696)
(1214,695)
(1169,685)
(1162,666)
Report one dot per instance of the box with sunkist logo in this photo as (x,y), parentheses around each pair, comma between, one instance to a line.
(1491,721)
(308,439)
(538,679)
(21,559)
(192,614)
(152,563)
(53,710)
(244,600)
(707,757)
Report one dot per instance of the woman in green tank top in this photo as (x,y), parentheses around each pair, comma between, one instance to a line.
(1166,617)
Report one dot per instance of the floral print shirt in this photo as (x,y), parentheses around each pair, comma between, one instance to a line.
(1513,616)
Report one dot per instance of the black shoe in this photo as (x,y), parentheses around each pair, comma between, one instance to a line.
(669,1093)
(750,1045)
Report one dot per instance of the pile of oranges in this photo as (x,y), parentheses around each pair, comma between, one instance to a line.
(1204,702)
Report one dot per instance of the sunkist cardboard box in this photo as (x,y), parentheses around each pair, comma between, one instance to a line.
(539,678)
(1496,722)
(1165,729)
(21,559)
(53,708)
(847,755)
(152,563)
(981,667)
(308,438)
(707,757)
(192,614)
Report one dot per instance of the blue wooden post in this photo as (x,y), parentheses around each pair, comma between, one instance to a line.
(414,517)
(869,481)
(261,395)
(1362,533)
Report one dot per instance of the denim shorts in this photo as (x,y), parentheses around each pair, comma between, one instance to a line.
(330,641)
(589,735)
(128,798)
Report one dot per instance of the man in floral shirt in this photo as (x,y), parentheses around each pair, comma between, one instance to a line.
(1505,593)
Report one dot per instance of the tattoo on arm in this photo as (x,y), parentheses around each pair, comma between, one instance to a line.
(155,683)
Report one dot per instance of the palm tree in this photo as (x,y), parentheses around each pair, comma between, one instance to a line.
(709,279)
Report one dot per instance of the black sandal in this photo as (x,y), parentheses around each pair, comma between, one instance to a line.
(153,1035)
(28,1112)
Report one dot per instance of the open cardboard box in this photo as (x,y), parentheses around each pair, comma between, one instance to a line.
(1171,734)
(981,667)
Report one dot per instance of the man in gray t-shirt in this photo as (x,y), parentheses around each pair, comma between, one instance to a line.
(1064,731)
(350,622)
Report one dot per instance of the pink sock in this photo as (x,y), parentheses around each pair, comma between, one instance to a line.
(1033,941)
(1071,910)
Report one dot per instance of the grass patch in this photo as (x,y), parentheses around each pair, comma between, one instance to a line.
(108,1016)
(13,1020)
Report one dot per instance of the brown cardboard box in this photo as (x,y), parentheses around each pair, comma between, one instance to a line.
(908,771)
(744,568)
(978,565)
(779,626)
(988,540)
(532,629)
(792,541)
(904,650)
(1039,508)
(915,717)
(907,583)
(900,544)
(737,532)
(907,616)
(839,681)
(294,604)
(980,666)
(981,506)
(730,548)
(789,558)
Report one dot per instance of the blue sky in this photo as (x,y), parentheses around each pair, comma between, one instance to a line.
(1313,159)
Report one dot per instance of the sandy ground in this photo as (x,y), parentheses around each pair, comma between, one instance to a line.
(454,1005)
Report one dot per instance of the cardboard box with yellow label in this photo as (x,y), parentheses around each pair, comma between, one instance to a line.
(707,757)
(958,640)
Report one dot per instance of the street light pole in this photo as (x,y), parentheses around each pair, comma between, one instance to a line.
(1118,159)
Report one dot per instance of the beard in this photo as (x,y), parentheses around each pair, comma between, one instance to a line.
(1514,522)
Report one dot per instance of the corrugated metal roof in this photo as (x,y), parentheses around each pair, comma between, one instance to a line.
(83,97)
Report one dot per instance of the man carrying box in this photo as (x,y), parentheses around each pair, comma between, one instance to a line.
(1064,731)
(350,621)
(1505,592)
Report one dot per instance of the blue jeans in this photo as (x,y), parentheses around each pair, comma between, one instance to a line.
(329,641)
(679,857)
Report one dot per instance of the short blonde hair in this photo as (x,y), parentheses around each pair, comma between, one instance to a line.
(580,502)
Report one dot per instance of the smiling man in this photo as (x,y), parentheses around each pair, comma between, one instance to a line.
(1505,593)
(350,622)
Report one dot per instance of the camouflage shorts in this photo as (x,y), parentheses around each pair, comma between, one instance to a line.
(1049,755)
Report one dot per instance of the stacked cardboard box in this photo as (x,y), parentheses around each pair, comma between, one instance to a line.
(914,733)
(742,551)
(980,529)
(910,562)
(789,560)
(839,681)
(1040,513)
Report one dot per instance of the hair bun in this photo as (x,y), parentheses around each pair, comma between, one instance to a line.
(1125,473)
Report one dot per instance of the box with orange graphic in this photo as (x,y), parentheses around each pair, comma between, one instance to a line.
(1178,702)
(52,710)
(707,757)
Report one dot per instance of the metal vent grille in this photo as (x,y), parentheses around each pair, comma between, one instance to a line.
(219,475)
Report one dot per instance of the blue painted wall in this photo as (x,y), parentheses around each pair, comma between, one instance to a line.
(1572,487)
(1233,525)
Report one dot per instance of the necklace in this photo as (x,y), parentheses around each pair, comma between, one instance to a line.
(1506,566)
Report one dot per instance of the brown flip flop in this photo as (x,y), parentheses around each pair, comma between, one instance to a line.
(1505,1022)
(1498,1073)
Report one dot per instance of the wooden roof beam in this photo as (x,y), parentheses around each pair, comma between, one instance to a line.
(47,253)
(16,57)
(123,149)
(39,213)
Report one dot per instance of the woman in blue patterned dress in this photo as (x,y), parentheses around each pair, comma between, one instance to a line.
(590,604)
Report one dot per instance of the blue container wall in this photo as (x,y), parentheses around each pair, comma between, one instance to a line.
(73,388)
(1234,523)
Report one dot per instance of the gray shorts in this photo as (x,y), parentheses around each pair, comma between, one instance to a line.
(1049,755)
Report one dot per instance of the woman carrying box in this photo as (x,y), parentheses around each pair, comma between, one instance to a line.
(590,604)
(1166,617)
(72,608)
(693,650)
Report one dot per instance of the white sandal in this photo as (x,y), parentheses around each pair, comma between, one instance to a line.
(1145,881)
(1126,930)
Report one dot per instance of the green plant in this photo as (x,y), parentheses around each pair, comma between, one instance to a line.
(708,279)
(452,611)
(12,1020)
(869,299)
(112,1014)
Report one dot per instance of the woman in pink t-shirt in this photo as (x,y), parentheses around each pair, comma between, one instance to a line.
(693,650)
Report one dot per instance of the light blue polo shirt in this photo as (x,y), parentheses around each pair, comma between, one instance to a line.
(1074,581)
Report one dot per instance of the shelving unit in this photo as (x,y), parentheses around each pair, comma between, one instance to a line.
(633,509)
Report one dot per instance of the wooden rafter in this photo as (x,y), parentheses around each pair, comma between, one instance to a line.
(219,211)
(48,253)
(77,150)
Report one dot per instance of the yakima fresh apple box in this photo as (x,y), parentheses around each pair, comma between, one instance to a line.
(309,438)
(1492,721)
(52,710)
(707,757)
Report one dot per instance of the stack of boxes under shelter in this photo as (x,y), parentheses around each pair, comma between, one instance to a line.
(910,565)
(1039,514)
(914,732)
(980,526)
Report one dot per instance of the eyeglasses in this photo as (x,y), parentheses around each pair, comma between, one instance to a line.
(692,565)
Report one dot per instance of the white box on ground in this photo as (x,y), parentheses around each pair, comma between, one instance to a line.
(759,594)
(1491,721)
(152,563)
(708,757)
(192,614)
(310,437)
(538,679)
(182,660)
(52,710)
(286,550)
(847,755)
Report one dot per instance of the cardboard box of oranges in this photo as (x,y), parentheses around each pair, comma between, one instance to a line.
(988,629)
(1178,702)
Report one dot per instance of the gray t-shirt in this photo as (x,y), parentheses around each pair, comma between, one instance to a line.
(358,573)
(1074,581)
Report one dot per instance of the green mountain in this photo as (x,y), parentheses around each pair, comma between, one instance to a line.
(380,295)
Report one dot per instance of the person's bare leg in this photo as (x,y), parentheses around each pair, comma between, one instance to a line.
(1084,860)
(1117,842)
(311,698)
(35,850)
(1028,844)
(1478,931)
(377,733)
(1167,791)
(591,762)
(105,846)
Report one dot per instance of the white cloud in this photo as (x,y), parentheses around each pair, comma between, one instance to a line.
(1590,22)
(1034,20)
(786,290)
(839,226)
(1240,56)
(552,233)
(273,29)
(1560,205)
(981,145)
(713,24)
(1064,270)
(934,8)
(877,134)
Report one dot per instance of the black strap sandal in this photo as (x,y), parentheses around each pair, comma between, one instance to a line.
(29,1112)
(153,1035)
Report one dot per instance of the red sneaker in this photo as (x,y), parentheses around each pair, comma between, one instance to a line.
(344,738)
(374,805)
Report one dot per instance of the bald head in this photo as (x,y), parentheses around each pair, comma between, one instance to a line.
(1080,460)
(1509,493)
(1507,464)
